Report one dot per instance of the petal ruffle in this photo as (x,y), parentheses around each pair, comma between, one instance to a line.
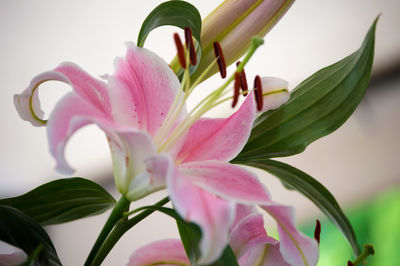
(221,138)
(238,185)
(92,90)
(162,252)
(213,214)
(142,89)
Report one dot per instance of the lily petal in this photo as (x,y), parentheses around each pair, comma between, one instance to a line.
(265,255)
(142,89)
(219,139)
(94,91)
(71,113)
(248,234)
(162,252)
(238,185)
(213,214)
(295,247)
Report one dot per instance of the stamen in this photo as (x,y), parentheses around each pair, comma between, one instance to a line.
(258,93)
(190,46)
(317,231)
(220,59)
(243,80)
(181,52)
(349,263)
(236,89)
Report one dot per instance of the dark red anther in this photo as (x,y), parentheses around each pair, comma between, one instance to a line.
(317,231)
(258,93)
(349,263)
(190,46)
(181,51)
(220,59)
(236,89)
(243,80)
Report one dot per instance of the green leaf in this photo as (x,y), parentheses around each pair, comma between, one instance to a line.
(62,201)
(174,13)
(190,234)
(317,107)
(20,230)
(313,190)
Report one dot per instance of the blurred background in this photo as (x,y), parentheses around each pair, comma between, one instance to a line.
(358,163)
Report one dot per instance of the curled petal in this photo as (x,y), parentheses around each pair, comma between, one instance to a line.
(275,91)
(296,248)
(211,213)
(71,113)
(221,138)
(142,89)
(162,252)
(90,89)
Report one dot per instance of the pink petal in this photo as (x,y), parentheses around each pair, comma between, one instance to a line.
(248,234)
(236,184)
(142,89)
(296,248)
(242,211)
(211,213)
(71,113)
(162,252)
(219,139)
(265,255)
(92,90)
(274,100)
(226,180)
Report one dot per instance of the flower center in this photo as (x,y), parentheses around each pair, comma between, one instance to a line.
(173,129)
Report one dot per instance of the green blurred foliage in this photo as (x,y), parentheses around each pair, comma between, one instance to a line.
(376,222)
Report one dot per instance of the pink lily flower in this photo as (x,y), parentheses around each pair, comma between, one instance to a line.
(248,240)
(156,144)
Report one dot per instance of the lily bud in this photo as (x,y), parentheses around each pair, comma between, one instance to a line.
(233,24)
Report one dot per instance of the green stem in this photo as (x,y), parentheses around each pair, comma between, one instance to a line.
(120,229)
(115,215)
(368,250)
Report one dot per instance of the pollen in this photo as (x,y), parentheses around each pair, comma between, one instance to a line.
(180,50)
(258,93)
(220,59)
(243,81)
(190,46)
(237,85)
(317,231)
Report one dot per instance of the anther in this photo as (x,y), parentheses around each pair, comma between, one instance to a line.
(236,89)
(220,59)
(258,93)
(349,263)
(243,80)
(190,46)
(317,231)
(179,48)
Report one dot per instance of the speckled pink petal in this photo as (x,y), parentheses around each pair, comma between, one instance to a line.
(221,138)
(213,214)
(162,252)
(142,89)
(230,181)
(92,90)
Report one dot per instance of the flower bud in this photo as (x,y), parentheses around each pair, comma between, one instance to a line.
(233,24)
